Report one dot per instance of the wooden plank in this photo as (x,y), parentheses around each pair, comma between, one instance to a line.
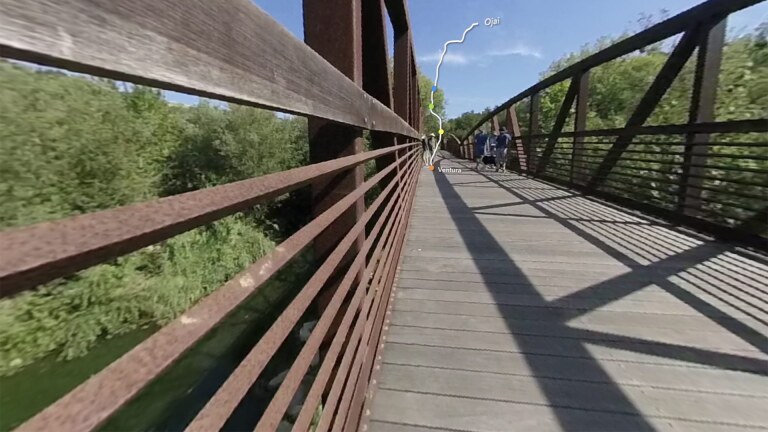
(673,377)
(714,339)
(558,346)
(738,411)
(379,426)
(567,312)
(545,313)
(462,414)
(534,299)
(745,297)
(231,51)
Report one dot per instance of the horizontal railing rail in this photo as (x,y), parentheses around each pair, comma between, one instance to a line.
(91,403)
(711,10)
(39,253)
(225,50)
(707,174)
(232,51)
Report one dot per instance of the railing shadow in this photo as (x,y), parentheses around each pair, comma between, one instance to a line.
(653,257)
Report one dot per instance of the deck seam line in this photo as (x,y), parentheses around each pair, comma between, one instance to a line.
(589,410)
(740,318)
(423,426)
(542,307)
(553,378)
(613,360)
(554,321)
(586,340)
(540,294)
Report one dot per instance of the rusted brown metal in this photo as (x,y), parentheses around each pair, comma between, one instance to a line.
(514,128)
(355,394)
(92,402)
(277,407)
(332,400)
(554,134)
(580,124)
(379,348)
(333,29)
(315,393)
(174,45)
(704,12)
(401,73)
(357,379)
(376,354)
(658,88)
(221,405)
(376,80)
(729,126)
(40,253)
(703,99)
(533,130)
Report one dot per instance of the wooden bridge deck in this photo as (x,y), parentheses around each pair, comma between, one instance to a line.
(523,306)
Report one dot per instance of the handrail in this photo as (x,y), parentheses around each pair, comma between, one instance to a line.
(704,12)
(88,405)
(227,50)
(39,253)
(695,192)
(233,51)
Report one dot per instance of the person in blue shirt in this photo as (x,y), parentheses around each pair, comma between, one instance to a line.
(481,143)
(502,144)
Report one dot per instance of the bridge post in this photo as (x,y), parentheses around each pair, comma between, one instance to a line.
(514,127)
(403,53)
(580,124)
(333,29)
(376,81)
(703,98)
(415,94)
(494,125)
(650,100)
(401,71)
(533,129)
(562,116)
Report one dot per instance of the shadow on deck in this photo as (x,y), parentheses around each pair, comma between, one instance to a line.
(525,306)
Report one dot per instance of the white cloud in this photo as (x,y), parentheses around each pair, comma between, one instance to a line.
(450,58)
(517,49)
(458,58)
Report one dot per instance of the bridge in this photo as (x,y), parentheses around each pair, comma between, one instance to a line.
(552,297)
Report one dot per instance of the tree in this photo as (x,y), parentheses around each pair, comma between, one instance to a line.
(431,123)
(73,144)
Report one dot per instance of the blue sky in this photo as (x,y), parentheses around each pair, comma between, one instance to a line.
(497,63)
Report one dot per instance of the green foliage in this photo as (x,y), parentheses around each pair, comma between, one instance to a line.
(72,145)
(151,286)
(431,124)
(462,124)
(616,87)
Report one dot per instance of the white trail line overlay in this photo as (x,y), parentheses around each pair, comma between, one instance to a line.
(434,87)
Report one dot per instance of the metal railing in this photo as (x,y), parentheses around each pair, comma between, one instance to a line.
(233,51)
(665,170)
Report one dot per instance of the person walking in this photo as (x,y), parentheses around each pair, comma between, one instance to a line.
(502,144)
(481,147)
(424,150)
